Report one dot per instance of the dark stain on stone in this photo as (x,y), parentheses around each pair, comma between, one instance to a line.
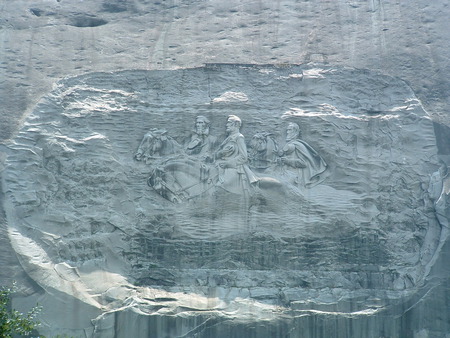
(87,21)
(36,11)
(442,133)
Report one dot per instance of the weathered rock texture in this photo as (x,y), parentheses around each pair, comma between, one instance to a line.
(43,41)
(361,254)
(357,243)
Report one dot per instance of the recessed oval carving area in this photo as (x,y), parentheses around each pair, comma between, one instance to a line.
(259,182)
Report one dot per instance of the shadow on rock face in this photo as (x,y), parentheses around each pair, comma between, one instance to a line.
(84,20)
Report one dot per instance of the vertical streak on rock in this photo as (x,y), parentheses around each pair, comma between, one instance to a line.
(157,59)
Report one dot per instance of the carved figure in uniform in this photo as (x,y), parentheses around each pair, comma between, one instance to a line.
(201,142)
(181,178)
(231,159)
(300,157)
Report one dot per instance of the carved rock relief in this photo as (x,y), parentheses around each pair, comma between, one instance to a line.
(322,175)
(205,165)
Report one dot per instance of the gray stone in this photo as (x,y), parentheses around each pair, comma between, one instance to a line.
(45,41)
(340,223)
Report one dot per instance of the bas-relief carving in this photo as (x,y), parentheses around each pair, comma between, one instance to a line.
(300,157)
(232,160)
(155,145)
(205,165)
(368,241)
(201,142)
(263,151)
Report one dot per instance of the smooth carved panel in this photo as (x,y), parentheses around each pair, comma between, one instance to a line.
(206,166)
(219,176)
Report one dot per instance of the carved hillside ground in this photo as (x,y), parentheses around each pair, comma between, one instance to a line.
(168,233)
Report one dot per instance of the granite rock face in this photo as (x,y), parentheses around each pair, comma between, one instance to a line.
(323,198)
(44,41)
(97,223)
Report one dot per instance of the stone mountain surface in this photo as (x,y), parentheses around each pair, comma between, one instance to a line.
(345,236)
(90,223)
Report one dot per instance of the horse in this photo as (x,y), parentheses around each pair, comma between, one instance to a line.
(182,178)
(155,145)
(263,151)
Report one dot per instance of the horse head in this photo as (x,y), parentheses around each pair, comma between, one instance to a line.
(157,144)
(263,149)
